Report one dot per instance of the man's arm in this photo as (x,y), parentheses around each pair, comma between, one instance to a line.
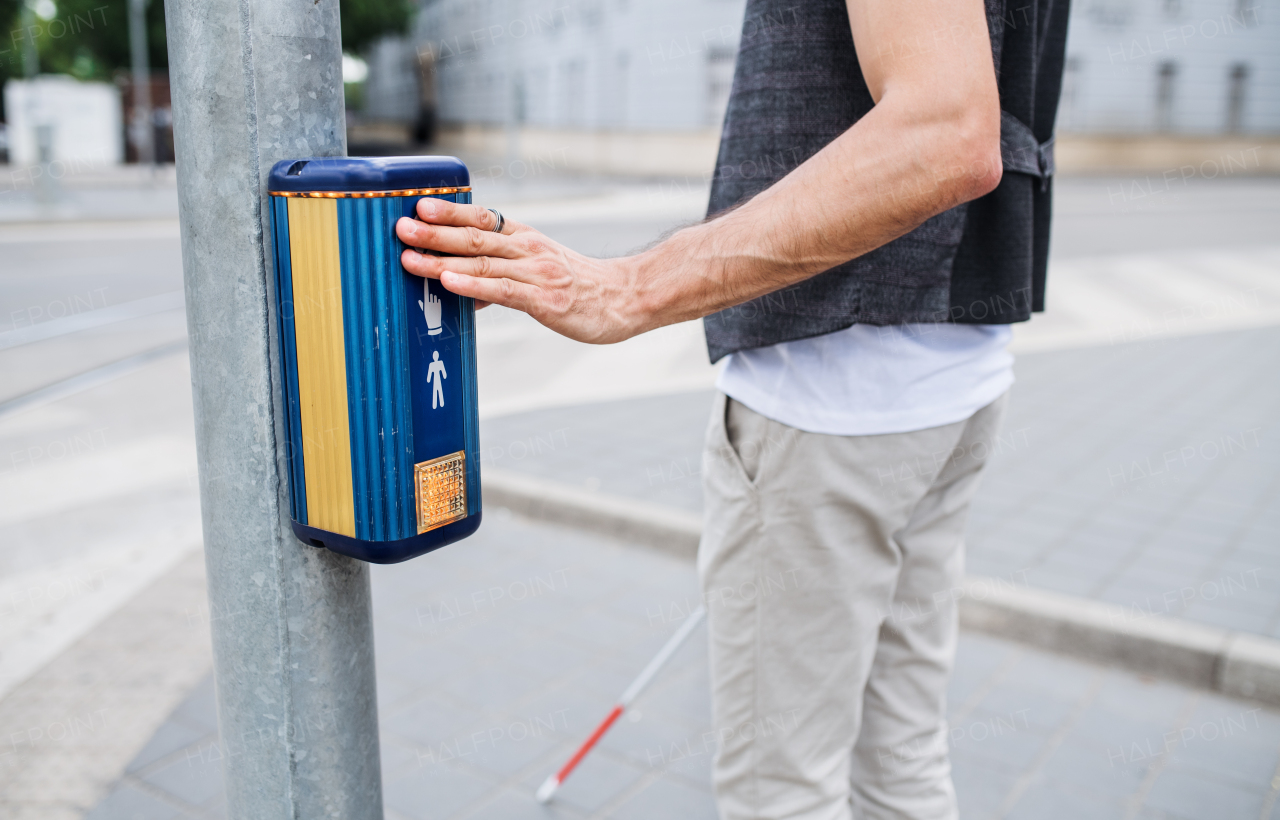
(931,142)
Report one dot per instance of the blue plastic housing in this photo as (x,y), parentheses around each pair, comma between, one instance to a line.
(387,349)
(368,174)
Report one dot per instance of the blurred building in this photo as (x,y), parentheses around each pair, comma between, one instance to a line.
(395,104)
(594,64)
(53,118)
(161,118)
(582,79)
(609,80)
(1188,67)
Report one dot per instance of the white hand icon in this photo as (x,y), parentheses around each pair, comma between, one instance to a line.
(431,310)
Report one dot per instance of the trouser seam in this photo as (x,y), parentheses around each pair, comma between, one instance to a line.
(759,653)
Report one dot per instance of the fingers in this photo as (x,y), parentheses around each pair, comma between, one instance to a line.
(484,267)
(459,241)
(443,212)
(505,292)
(481,264)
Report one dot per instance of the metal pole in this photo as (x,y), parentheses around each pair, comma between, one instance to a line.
(511,96)
(46,188)
(255,81)
(143,126)
(30,58)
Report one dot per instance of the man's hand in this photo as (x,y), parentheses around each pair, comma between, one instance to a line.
(931,142)
(589,300)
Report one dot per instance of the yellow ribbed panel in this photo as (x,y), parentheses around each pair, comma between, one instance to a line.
(322,371)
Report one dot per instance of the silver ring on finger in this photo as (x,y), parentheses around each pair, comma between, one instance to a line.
(501,220)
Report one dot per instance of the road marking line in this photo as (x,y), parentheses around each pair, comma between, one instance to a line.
(92,318)
(90,378)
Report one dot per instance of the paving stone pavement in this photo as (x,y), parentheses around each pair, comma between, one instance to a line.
(1130,473)
(498,655)
(1143,474)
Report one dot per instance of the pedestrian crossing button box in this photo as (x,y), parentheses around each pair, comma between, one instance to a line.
(378,365)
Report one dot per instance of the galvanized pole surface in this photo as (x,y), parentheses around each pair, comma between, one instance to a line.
(255,81)
(143,126)
(41,132)
(30,57)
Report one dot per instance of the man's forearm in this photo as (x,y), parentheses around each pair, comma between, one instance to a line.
(931,141)
(879,180)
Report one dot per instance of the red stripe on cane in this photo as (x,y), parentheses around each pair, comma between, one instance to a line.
(591,741)
(549,786)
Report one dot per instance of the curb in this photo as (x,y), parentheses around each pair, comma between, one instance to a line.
(669,530)
(1237,664)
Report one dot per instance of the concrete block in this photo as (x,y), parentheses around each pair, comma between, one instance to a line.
(1091,767)
(670,530)
(434,791)
(1251,668)
(597,781)
(669,798)
(1191,794)
(1180,650)
(169,738)
(195,782)
(1057,803)
(520,806)
(129,803)
(1189,653)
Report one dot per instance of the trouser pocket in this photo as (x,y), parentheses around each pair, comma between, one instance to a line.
(733,448)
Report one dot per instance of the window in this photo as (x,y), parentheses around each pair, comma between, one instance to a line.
(1070,92)
(573,88)
(719,83)
(623,75)
(1165,77)
(1237,79)
(1247,12)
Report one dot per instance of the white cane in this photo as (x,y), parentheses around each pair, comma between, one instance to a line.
(548,788)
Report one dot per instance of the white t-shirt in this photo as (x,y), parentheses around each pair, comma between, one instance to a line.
(866,380)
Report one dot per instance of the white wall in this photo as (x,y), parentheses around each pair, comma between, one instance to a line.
(637,65)
(85,117)
(641,65)
(391,89)
(1116,49)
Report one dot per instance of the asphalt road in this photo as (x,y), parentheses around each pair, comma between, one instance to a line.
(54,270)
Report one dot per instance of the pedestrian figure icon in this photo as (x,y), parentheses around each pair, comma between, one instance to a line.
(436,377)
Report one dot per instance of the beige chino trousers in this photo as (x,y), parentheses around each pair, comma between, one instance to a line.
(831,567)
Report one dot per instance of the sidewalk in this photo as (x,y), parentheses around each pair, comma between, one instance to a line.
(1107,471)
(1111,481)
(498,655)
(87,191)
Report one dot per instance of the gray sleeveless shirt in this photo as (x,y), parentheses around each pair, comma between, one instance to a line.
(797,86)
